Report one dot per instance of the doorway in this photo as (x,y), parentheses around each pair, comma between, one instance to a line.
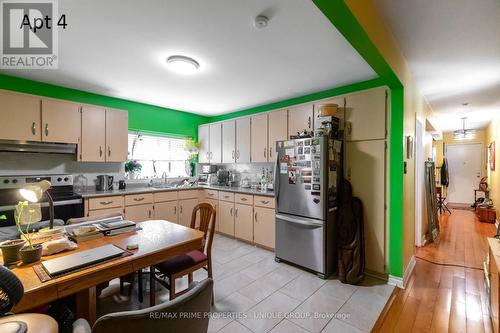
(419,182)
(464,168)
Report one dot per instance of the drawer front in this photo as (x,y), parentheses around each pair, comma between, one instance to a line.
(246,199)
(105,202)
(262,201)
(105,212)
(165,196)
(189,194)
(212,194)
(138,199)
(226,196)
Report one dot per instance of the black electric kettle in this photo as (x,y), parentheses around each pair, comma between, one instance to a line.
(104,183)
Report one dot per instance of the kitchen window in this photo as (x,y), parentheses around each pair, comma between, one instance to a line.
(158,155)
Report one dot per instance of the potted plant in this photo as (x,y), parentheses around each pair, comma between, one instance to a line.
(192,148)
(10,248)
(132,167)
(31,252)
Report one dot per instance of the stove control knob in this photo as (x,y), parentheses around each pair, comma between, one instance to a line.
(59,179)
(66,179)
(14,181)
(6,181)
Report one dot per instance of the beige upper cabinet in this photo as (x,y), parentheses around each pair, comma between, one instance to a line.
(300,118)
(278,126)
(340,101)
(204,140)
(61,121)
(215,143)
(93,145)
(243,140)
(259,149)
(116,135)
(368,184)
(20,116)
(366,115)
(229,141)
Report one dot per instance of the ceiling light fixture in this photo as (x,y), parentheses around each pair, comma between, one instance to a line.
(182,64)
(463,134)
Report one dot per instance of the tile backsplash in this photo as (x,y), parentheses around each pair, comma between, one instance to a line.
(39,163)
(253,171)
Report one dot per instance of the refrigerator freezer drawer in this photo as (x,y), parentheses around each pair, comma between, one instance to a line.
(301,241)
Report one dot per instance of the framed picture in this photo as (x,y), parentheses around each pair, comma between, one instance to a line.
(491,148)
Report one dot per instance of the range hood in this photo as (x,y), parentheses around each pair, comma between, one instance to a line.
(37,147)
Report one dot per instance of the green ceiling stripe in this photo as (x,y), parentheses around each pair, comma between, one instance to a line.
(303,99)
(341,17)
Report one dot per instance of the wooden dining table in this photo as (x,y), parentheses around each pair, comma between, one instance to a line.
(158,240)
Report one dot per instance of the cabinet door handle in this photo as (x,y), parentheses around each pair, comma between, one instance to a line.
(149,213)
(349,127)
(236,212)
(47,129)
(270,152)
(175,210)
(255,216)
(100,151)
(210,194)
(243,199)
(105,202)
(309,122)
(138,199)
(109,151)
(226,197)
(180,210)
(33,128)
(232,155)
(264,202)
(231,211)
(265,152)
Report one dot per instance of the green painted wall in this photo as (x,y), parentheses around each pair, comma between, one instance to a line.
(303,99)
(341,17)
(143,117)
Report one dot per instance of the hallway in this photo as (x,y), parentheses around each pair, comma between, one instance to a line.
(446,291)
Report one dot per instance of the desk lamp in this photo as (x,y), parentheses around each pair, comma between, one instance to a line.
(34,193)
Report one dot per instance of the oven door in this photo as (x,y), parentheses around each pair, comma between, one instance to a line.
(63,210)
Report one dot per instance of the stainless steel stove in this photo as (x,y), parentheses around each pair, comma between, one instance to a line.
(67,203)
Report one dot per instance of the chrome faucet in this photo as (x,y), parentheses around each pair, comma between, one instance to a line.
(164,176)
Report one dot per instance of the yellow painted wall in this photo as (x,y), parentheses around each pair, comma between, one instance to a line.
(492,133)
(414,105)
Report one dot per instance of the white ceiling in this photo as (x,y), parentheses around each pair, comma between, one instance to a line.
(119,48)
(453,49)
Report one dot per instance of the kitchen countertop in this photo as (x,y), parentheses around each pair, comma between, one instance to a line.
(137,190)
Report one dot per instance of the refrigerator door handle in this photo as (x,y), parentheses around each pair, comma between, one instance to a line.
(277,179)
(299,221)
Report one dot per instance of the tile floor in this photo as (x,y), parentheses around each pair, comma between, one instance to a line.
(253,293)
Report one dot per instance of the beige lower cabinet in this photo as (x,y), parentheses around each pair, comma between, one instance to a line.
(264,232)
(139,213)
(186,207)
(215,204)
(243,224)
(167,211)
(106,211)
(226,217)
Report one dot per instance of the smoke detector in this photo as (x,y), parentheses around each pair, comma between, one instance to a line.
(261,21)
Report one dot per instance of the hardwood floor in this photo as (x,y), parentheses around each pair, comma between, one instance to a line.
(446,291)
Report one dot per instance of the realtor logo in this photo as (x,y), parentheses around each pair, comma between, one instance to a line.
(29,37)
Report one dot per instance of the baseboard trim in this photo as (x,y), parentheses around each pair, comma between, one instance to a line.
(402,282)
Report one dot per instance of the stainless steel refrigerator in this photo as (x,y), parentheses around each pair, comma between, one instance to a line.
(307,175)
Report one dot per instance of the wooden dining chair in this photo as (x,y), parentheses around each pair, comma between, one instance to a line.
(187,263)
